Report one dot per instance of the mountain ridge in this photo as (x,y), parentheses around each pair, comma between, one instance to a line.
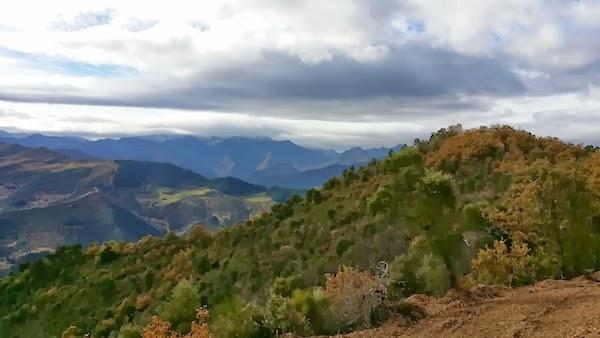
(212,157)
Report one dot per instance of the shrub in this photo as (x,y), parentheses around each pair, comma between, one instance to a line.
(434,275)
(129,331)
(419,270)
(180,310)
(236,318)
(314,305)
(314,196)
(158,328)
(382,200)
(498,265)
(332,183)
(404,158)
(282,316)
(353,294)
(438,186)
(342,246)
(108,255)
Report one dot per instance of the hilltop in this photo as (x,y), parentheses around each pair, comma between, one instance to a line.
(490,205)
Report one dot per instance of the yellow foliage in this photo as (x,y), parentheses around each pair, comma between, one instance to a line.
(498,265)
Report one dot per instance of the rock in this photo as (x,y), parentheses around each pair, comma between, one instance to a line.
(595,276)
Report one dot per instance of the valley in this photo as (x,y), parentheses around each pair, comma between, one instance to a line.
(48,199)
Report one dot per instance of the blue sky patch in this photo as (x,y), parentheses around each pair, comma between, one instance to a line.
(55,64)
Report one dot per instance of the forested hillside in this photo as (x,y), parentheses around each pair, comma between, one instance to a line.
(491,205)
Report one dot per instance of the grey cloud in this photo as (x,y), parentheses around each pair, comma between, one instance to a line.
(573,125)
(411,80)
(13,113)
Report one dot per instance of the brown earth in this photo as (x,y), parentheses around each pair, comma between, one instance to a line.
(551,308)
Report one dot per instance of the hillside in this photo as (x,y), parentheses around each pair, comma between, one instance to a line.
(48,199)
(485,206)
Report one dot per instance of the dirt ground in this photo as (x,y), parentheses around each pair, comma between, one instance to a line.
(549,308)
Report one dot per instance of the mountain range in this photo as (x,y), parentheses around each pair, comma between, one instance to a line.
(49,199)
(257,160)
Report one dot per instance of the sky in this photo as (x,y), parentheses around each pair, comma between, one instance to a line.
(335,73)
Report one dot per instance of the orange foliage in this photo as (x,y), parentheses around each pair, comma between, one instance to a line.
(158,328)
(200,327)
(501,144)
(354,295)
(522,212)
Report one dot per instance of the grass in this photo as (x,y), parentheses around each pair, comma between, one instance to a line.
(259,198)
(167,196)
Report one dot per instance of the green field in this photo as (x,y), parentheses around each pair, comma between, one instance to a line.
(166,196)
(259,198)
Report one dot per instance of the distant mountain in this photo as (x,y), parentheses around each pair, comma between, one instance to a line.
(354,155)
(283,175)
(298,180)
(251,159)
(49,199)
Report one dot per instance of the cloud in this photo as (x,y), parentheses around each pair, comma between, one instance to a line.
(296,65)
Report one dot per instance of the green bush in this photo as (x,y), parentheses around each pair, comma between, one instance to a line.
(237,318)
(129,331)
(180,309)
(433,275)
(315,307)
(419,270)
(108,255)
(409,156)
(382,200)
(282,316)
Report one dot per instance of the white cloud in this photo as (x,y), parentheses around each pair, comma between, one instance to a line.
(114,52)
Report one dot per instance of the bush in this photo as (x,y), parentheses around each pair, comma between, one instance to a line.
(342,246)
(236,318)
(108,255)
(382,200)
(433,275)
(180,310)
(406,157)
(129,331)
(314,305)
(498,265)
(438,186)
(419,270)
(354,295)
(282,316)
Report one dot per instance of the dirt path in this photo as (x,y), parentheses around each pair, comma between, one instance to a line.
(547,309)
